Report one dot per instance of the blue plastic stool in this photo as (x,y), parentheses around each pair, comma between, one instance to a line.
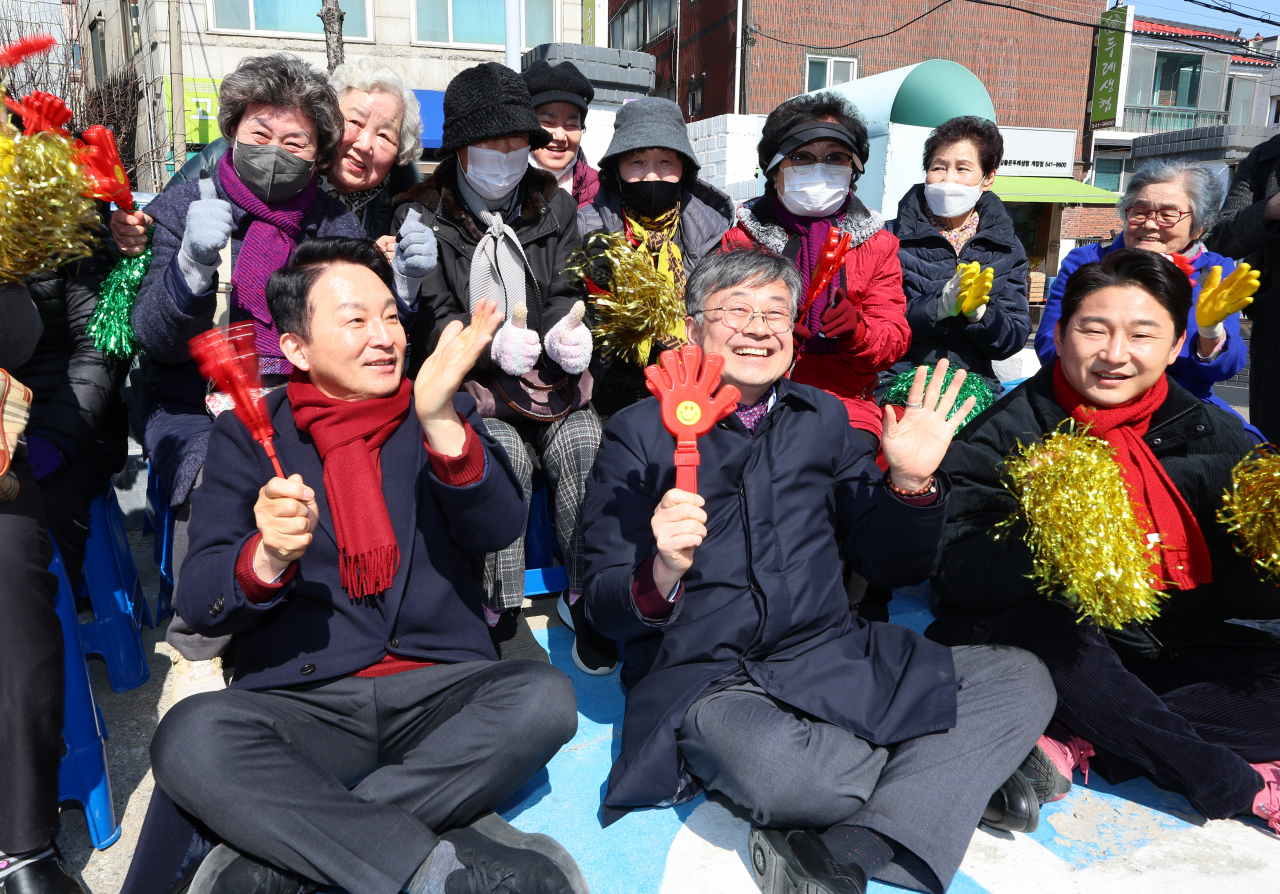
(82,774)
(541,574)
(111,582)
(158,518)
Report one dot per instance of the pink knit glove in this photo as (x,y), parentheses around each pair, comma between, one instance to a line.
(515,349)
(569,341)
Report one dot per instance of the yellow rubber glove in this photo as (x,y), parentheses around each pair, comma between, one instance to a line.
(1220,298)
(975,290)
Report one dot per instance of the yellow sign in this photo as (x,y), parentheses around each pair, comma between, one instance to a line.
(200,100)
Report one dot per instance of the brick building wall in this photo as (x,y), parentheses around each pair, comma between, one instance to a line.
(1036,70)
(1089,221)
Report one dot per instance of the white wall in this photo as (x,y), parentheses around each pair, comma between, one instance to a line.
(725,147)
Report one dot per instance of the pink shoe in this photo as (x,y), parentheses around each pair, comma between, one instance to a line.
(1267,804)
(1067,750)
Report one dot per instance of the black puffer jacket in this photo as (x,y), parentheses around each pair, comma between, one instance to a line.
(376,216)
(929,261)
(74,387)
(979,578)
(547,227)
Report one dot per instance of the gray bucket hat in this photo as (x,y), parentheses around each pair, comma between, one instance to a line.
(651,123)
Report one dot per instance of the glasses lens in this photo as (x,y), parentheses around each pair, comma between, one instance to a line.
(778,320)
(838,160)
(1169,216)
(737,316)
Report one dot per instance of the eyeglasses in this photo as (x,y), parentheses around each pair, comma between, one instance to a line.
(1164,217)
(739,316)
(835,163)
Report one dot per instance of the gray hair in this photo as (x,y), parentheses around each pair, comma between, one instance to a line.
(1204,190)
(370,77)
(285,81)
(726,269)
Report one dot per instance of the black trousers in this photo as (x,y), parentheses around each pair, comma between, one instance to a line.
(348,782)
(31,672)
(1192,722)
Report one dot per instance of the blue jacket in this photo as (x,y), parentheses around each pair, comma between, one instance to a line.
(1190,373)
(765,594)
(312,630)
(929,261)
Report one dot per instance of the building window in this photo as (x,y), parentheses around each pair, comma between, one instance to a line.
(669,93)
(98,42)
(1240,100)
(1106,173)
(693,98)
(482,22)
(824,71)
(641,23)
(287,16)
(1177,79)
(1275,110)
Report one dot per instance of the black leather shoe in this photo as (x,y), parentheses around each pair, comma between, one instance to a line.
(593,652)
(784,861)
(497,857)
(1013,807)
(47,876)
(226,871)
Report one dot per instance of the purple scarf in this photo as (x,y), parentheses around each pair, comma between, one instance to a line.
(813,235)
(266,247)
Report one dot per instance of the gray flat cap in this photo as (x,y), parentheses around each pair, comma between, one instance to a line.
(650,123)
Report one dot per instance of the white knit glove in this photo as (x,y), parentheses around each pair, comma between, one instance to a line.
(515,349)
(569,341)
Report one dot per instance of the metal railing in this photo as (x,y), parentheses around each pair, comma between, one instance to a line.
(1161,119)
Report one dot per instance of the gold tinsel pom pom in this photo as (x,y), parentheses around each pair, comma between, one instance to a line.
(1086,545)
(1252,510)
(642,308)
(46,219)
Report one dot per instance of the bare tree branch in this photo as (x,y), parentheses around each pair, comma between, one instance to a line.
(331,15)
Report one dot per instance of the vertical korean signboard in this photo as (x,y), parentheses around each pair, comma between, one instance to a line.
(1108,71)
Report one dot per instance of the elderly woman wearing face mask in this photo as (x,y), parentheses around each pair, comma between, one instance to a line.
(262,199)
(506,232)
(1168,206)
(561,96)
(951,219)
(375,161)
(812,149)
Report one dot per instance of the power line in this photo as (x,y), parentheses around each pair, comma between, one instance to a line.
(1226,7)
(1236,51)
(756,30)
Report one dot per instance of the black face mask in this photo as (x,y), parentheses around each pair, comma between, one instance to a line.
(650,198)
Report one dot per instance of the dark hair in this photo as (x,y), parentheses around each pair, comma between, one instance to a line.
(285,81)
(289,289)
(981,132)
(726,269)
(1147,270)
(810,107)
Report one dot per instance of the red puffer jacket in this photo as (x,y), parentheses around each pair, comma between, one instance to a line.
(873,276)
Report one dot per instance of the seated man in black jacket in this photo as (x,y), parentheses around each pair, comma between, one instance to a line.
(369,729)
(1187,699)
(745,672)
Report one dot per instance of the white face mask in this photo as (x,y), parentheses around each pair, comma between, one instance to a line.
(815,194)
(493,174)
(951,199)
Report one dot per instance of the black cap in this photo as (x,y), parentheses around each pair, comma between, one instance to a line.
(484,103)
(815,130)
(558,83)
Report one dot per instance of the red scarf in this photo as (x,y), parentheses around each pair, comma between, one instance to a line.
(349,435)
(1183,559)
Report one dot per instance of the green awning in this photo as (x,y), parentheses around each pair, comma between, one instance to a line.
(1051,189)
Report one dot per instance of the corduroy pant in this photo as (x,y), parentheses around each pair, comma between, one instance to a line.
(1192,721)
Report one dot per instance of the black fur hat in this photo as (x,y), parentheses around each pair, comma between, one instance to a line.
(558,83)
(487,102)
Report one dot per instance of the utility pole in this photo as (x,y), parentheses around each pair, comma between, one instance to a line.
(331,15)
(177,96)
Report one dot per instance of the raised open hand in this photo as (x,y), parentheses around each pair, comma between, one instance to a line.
(914,446)
(684,383)
(1220,298)
(445,368)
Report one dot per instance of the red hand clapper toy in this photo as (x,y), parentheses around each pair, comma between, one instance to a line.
(829,261)
(230,360)
(102,163)
(684,384)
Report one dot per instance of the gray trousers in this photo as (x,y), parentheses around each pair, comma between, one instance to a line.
(179,635)
(927,794)
(348,782)
(568,449)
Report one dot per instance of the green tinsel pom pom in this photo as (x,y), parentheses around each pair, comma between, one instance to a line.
(973,386)
(111,326)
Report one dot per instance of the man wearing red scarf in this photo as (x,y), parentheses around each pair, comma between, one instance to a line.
(369,729)
(1188,699)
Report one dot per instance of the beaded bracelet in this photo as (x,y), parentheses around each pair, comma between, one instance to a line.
(923,492)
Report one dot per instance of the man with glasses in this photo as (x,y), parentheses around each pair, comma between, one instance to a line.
(745,672)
